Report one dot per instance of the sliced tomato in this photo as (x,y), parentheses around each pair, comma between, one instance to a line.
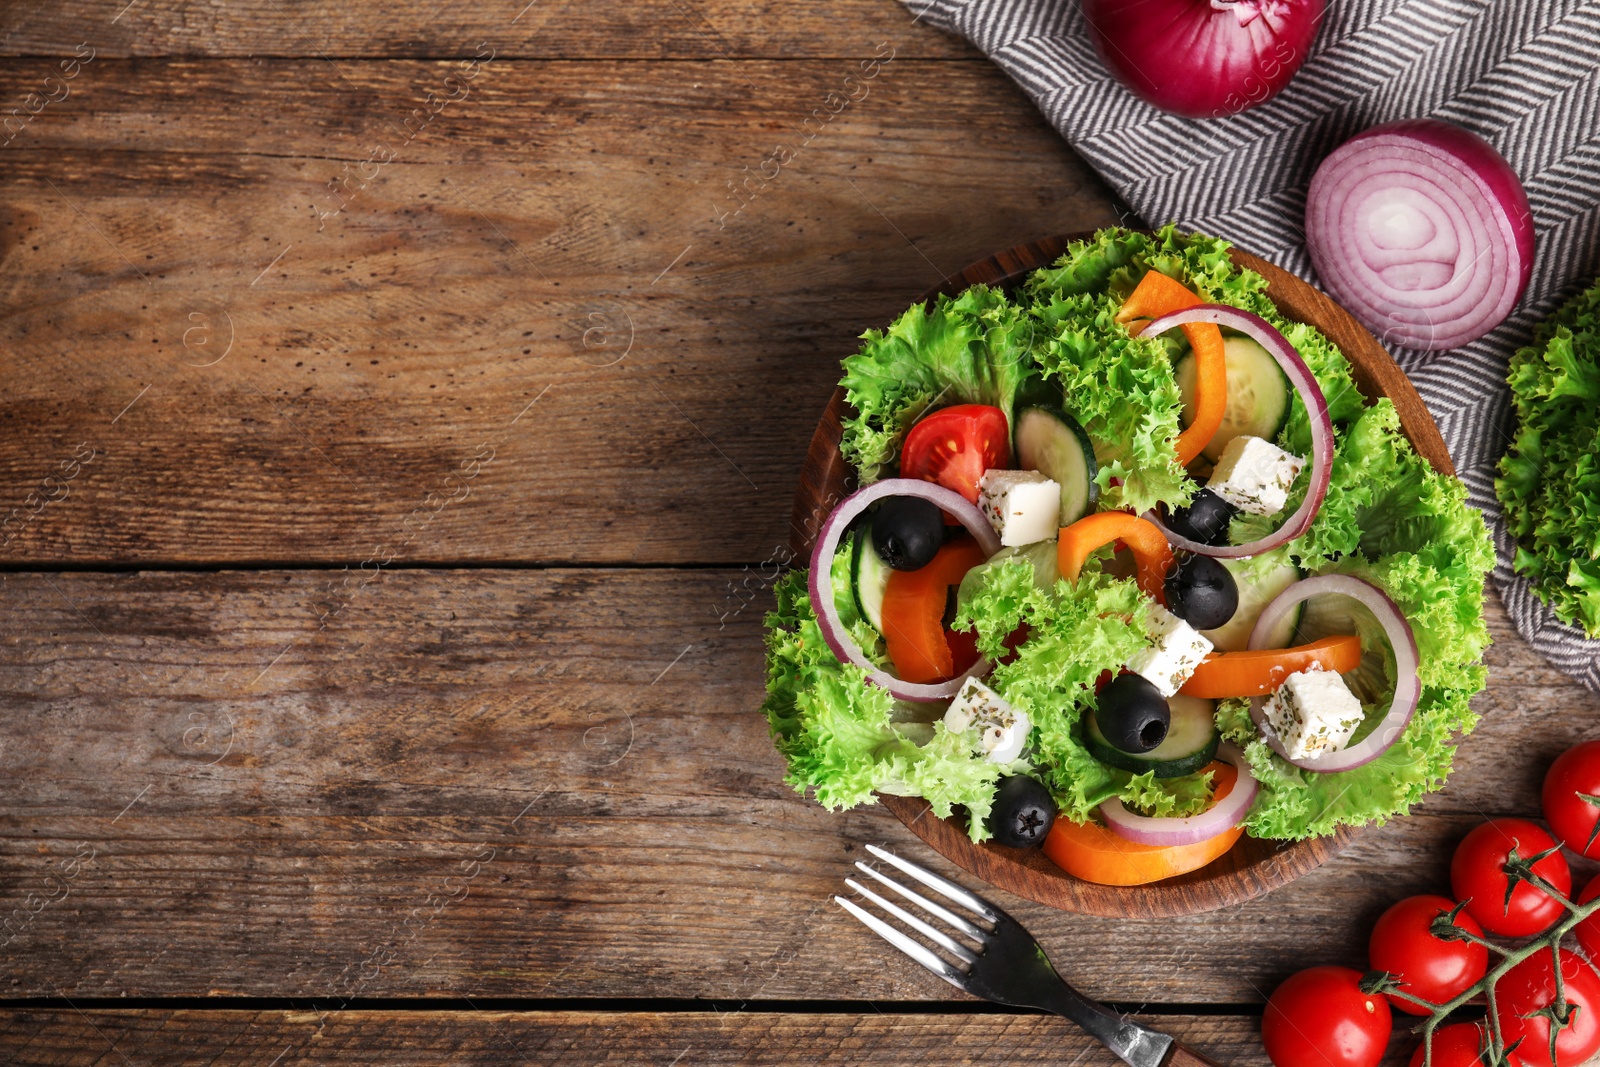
(1151,554)
(913,615)
(1257,673)
(954,446)
(1092,852)
(1157,295)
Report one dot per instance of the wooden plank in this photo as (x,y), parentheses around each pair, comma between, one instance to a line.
(232,341)
(540,29)
(531,784)
(50,1038)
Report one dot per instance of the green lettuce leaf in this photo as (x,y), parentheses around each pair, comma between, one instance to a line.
(845,739)
(970,349)
(1390,519)
(1076,632)
(1549,480)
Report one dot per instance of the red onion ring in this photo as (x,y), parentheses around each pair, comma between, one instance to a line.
(1408,687)
(1305,383)
(1224,815)
(820,583)
(1422,230)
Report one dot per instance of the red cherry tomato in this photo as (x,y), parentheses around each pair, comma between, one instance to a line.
(1477,878)
(1321,1018)
(1456,1045)
(954,446)
(1588,931)
(1426,966)
(1571,798)
(1530,987)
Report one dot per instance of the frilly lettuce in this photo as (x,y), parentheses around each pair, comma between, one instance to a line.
(969,349)
(1391,519)
(1549,480)
(845,738)
(1076,631)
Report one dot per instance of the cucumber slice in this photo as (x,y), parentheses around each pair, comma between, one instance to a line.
(1259,579)
(1050,441)
(869,577)
(1191,742)
(1258,394)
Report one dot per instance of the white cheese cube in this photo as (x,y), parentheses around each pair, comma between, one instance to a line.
(1178,650)
(1255,475)
(1313,713)
(999,730)
(1023,506)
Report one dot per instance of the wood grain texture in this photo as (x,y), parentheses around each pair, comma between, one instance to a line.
(540,29)
(548,783)
(555,235)
(580,1039)
(1252,867)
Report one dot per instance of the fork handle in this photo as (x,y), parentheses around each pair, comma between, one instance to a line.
(1183,1056)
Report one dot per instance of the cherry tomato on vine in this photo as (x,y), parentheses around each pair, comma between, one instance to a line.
(1571,798)
(1425,966)
(1588,931)
(1530,987)
(954,446)
(1456,1045)
(1476,876)
(1321,1018)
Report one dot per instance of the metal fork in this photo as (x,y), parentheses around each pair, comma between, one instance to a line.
(1000,961)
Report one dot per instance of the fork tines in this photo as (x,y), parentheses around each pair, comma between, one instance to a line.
(966,955)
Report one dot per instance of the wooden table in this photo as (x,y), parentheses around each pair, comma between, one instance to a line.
(398,480)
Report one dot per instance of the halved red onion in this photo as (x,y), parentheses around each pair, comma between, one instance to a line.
(1407,689)
(1224,815)
(1305,383)
(820,583)
(1422,231)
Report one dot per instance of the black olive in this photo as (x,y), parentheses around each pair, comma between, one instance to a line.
(1202,593)
(1132,713)
(1022,813)
(1204,521)
(907,531)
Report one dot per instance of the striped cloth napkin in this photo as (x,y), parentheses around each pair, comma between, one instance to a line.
(1522,73)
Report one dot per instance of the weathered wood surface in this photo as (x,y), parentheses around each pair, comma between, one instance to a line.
(578,1039)
(530,783)
(534,29)
(549,236)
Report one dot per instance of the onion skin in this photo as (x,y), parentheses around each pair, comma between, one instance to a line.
(1203,58)
(820,581)
(1407,689)
(1422,231)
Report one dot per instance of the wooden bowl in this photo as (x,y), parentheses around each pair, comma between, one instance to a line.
(1252,867)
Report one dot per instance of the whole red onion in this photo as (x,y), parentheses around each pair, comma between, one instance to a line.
(1203,58)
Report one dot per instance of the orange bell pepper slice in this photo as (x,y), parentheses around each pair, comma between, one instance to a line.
(1157,295)
(1253,674)
(913,614)
(1095,853)
(1151,553)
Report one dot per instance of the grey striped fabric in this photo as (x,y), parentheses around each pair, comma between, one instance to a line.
(1522,73)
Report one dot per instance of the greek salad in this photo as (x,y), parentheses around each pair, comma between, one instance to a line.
(1134,569)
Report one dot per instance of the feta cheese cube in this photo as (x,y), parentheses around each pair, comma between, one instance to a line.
(999,730)
(1255,475)
(1313,713)
(1178,650)
(1023,506)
